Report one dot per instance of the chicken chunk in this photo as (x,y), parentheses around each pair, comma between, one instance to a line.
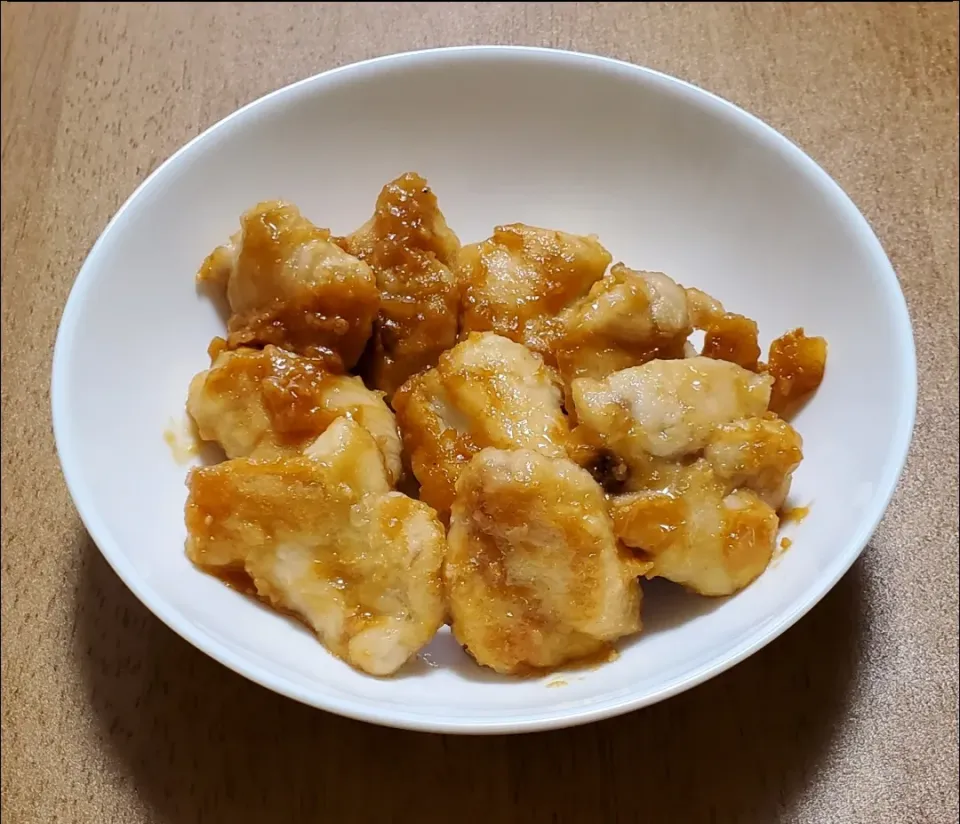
(322,536)
(486,391)
(413,253)
(760,454)
(287,283)
(627,319)
(518,281)
(697,534)
(267,402)
(797,364)
(668,408)
(727,336)
(696,466)
(534,575)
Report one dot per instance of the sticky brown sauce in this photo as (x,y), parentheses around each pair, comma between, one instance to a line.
(412,310)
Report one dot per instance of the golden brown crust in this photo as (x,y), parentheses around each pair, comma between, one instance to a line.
(797,364)
(321,536)
(534,574)
(518,281)
(486,391)
(733,338)
(269,402)
(412,252)
(688,465)
(695,464)
(696,534)
(626,319)
(288,284)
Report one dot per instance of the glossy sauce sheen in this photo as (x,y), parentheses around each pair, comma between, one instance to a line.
(412,251)
(289,285)
(797,364)
(519,280)
(688,460)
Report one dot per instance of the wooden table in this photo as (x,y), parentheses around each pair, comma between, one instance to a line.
(109,717)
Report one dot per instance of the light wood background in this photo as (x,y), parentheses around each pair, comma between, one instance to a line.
(108,717)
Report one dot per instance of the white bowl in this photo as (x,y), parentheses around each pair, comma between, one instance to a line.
(670,177)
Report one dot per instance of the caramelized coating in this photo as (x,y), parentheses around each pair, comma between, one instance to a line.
(486,391)
(702,308)
(412,252)
(696,466)
(534,575)
(732,338)
(268,402)
(289,284)
(684,458)
(759,454)
(668,408)
(797,364)
(627,319)
(519,280)
(695,533)
(727,336)
(323,537)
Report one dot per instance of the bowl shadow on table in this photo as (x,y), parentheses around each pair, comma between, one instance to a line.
(203,744)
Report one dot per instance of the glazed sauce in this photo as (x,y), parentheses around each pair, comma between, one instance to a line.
(412,253)
(732,338)
(797,364)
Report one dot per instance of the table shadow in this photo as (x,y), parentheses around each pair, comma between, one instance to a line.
(200,743)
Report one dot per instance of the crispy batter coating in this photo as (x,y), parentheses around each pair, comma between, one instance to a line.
(627,319)
(797,364)
(697,534)
(519,281)
(289,284)
(322,536)
(759,454)
(676,467)
(413,253)
(534,575)
(668,408)
(268,402)
(486,391)
(727,336)
(695,464)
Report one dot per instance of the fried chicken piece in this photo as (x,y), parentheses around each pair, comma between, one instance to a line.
(534,575)
(668,408)
(697,534)
(322,536)
(486,391)
(760,454)
(627,319)
(702,307)
(289,284)
(267,402)
(727,336)
(797,364)
(702,464)
(732,338)
(518,281)
(413,253)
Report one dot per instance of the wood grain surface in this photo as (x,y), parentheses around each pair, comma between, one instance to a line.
(107,716)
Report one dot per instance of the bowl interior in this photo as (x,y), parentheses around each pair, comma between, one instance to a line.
(670,179)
